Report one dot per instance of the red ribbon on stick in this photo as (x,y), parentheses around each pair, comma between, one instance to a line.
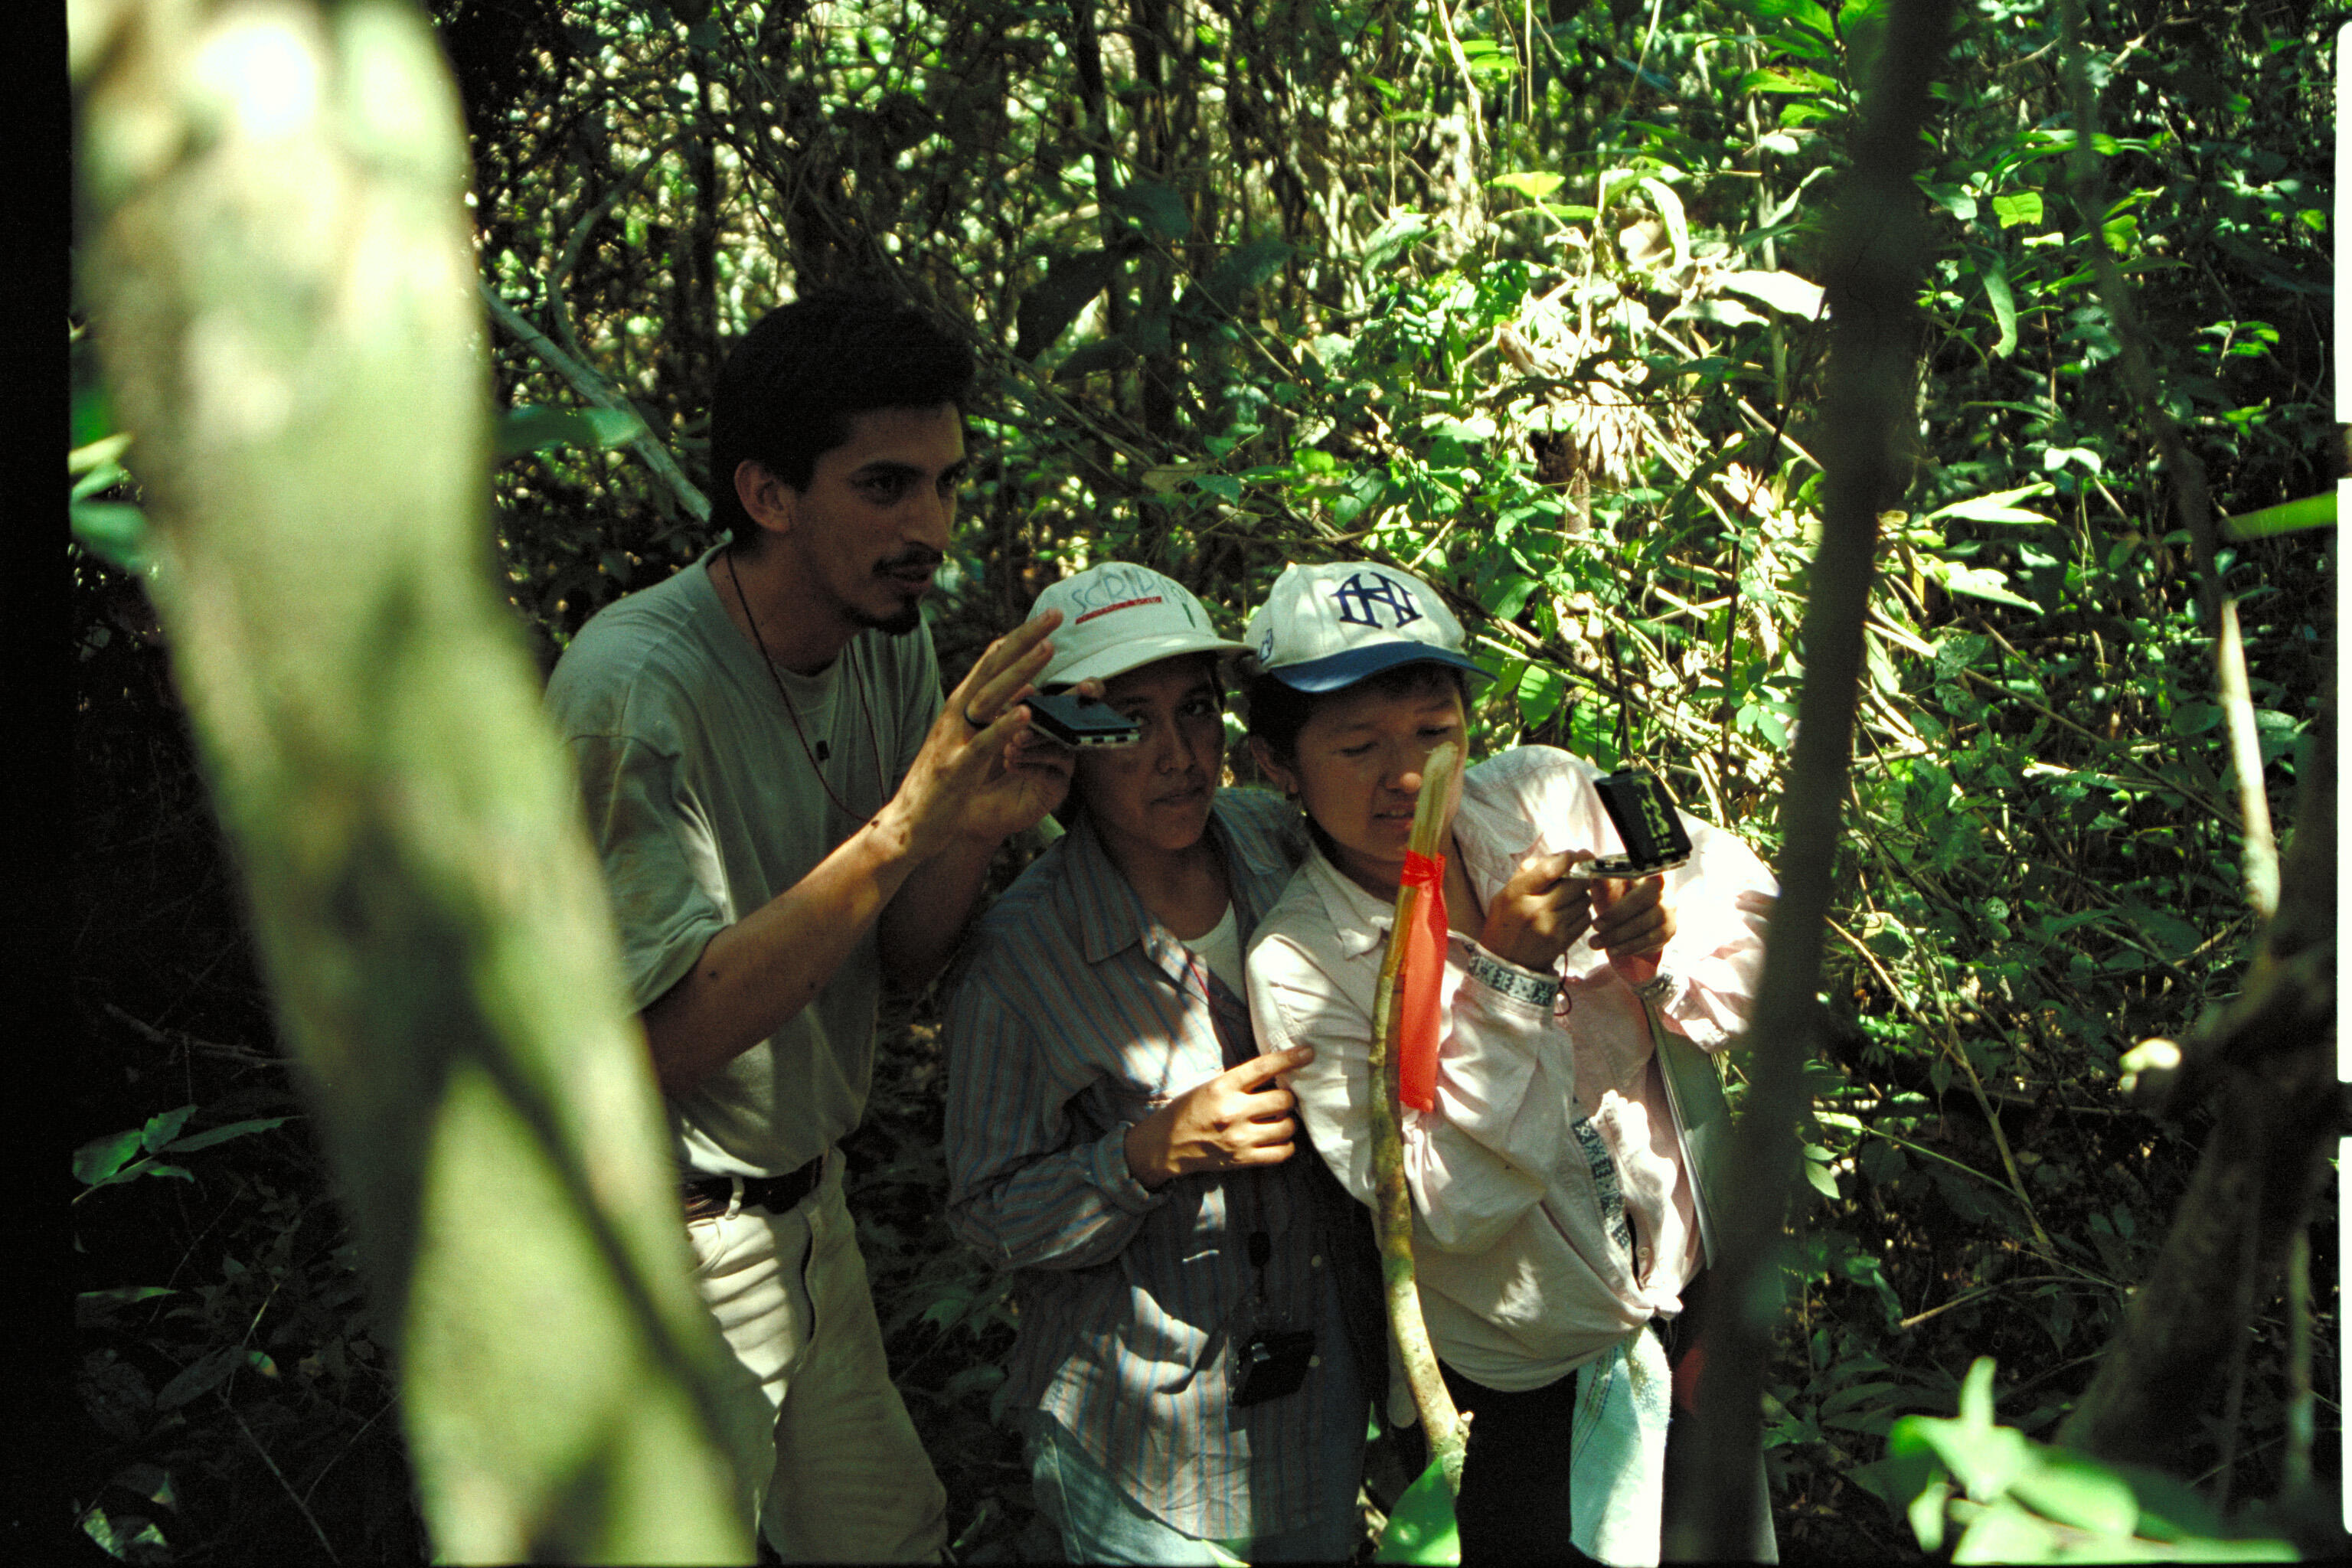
(1419,981)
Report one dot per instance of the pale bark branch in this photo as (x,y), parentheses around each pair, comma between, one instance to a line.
(279,289)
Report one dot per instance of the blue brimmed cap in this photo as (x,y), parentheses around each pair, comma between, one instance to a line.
(1328,627)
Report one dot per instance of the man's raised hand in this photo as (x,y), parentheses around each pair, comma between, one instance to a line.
(975,777)
(1239,1118)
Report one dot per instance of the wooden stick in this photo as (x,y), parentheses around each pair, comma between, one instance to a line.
(1448,1428)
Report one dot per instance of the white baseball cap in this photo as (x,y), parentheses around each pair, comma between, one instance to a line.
(1118,617)
(1326,626)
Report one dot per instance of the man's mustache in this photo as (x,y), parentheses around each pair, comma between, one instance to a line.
(914,559)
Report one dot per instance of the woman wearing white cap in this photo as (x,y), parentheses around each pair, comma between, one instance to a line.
(1185,1364)
(1558,1211)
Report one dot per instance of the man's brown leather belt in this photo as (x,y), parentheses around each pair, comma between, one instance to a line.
(776,1195)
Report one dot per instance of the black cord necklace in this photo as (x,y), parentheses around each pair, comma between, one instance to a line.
(793,713)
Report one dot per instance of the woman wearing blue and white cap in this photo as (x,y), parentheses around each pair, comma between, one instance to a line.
(1558,1211)
(1186,1280)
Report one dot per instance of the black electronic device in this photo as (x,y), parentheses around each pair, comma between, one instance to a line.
(1080,721)
(1273,1365)
(1647,825)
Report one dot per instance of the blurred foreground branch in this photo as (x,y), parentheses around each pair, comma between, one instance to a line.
(1873,278)
(280,283)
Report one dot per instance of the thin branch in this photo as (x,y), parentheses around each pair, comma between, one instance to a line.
(295,1498)
(600,394)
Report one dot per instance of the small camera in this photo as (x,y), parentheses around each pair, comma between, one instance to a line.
(1273,1365)
(1080,721)
(1644,814)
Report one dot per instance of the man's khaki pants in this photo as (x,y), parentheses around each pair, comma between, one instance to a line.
(834,1469)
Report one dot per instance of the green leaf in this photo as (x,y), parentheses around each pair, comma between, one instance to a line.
(1799,81)
(1153,206)
(1397,234)
(1421,1527)
(95,1309)
(212,1135)
(1784,292)
(2166,932)
(1533,183)
(2004,306)
(114,532)
(1975,582)
(1072,280)
(2075,1490)
(2311,511)
(123,1295)
(526,428)
(1956,200)
(2018,207)
(197,1381)
(96,1162)
(1998,506)
(1221,293)
(2196,718)
(1510,595)
(163,1128)
(1541,690)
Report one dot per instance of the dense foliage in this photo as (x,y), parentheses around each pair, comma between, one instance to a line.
(1526,299)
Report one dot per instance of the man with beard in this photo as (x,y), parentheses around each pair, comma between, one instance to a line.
(787,814)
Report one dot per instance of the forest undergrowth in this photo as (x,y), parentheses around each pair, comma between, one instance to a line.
(1528,302)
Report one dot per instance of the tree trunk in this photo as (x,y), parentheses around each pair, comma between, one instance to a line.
(2273,1051)
(281,280)
(1872,279)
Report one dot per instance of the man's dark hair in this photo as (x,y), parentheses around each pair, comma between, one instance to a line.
(792,385)
(1278,711)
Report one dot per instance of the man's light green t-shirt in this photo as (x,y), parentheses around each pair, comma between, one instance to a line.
(703,804)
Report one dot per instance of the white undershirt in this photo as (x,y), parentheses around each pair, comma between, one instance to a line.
(1221,949)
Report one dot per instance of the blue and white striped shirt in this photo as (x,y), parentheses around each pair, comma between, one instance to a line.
(1076,1014)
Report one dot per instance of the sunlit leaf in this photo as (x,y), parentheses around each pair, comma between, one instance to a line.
(1998,506)
(1421,1527)
(1535,183)
(1784,292)
(97,1160)
(2004,306)
(2311,511)
(1976,583)
(2017,208)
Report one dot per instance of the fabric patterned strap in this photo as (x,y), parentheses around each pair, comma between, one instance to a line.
(1604,1180)
(1536,990)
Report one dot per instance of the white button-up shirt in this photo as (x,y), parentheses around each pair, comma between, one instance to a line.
(1552,1212)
